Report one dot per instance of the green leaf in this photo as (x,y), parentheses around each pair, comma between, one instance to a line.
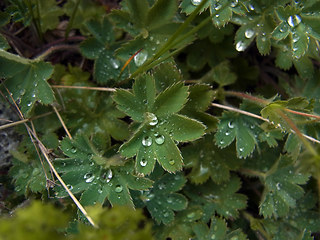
(221,199)
(3,43)
(161,13)
(162,200)
(222,74)
(26,80)
(242,128)
(217,230)
(97,176)
(171,100)
(90,112)
(154,139)
(100,48)
(281,188)
(49,14)
(86,10)
(27,176)
(215,164)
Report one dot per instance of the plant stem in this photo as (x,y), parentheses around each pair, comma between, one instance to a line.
(247,96)
(86,88)
(70,23)
(12,124)
(62,122)
(53,49)
(252,172)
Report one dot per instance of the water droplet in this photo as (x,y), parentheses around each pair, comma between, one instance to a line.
(252,126)
(294,20)
(115,63)
(171,162)
(213,236)
(159,139)
(240,46)
(29,104)
(118,188)
(166,214)
(284,28)
(152,119)
(234,3)
(217,6)
(109,175)
(22,91)
(231,125)
(227,133)
(295,37)
(217,15)
(141,57)
(73,150)
(278,186)
(89,177)
(241,149)
(249,33)
(143,162)
(251,7)
(100,190)
(161,186)
(221,142)
(147,141)
(33,95)
(196,2)
(169,200)
(70,187)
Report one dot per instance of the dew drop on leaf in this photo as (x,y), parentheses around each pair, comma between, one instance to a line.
(294,20)
(147,141)
(249,33)
(70,187)
(159,139)
(191,215)
(231,124)
(166,214)
(143,162)
(240,46)
(227,133)
(100,190)
(171,162)
(169,200)
(118,188)
(89,177)
(217,6)
(251,7)
(109,175)
(195,2)
(241,149)
(141,57)
(152,119)
(29,104)
(73,150)
(213,236)
(22,91)
(115,63)
(234,3)
(284,28)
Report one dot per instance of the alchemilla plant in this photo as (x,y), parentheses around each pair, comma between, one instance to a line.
(202,115)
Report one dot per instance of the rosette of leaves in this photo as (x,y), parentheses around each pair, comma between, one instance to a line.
(100,47)
(162,200)
(282,188)
(217,198)
(158,124)
(214,163)
(96,174)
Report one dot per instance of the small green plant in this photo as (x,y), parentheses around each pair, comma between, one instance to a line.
(203,115)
